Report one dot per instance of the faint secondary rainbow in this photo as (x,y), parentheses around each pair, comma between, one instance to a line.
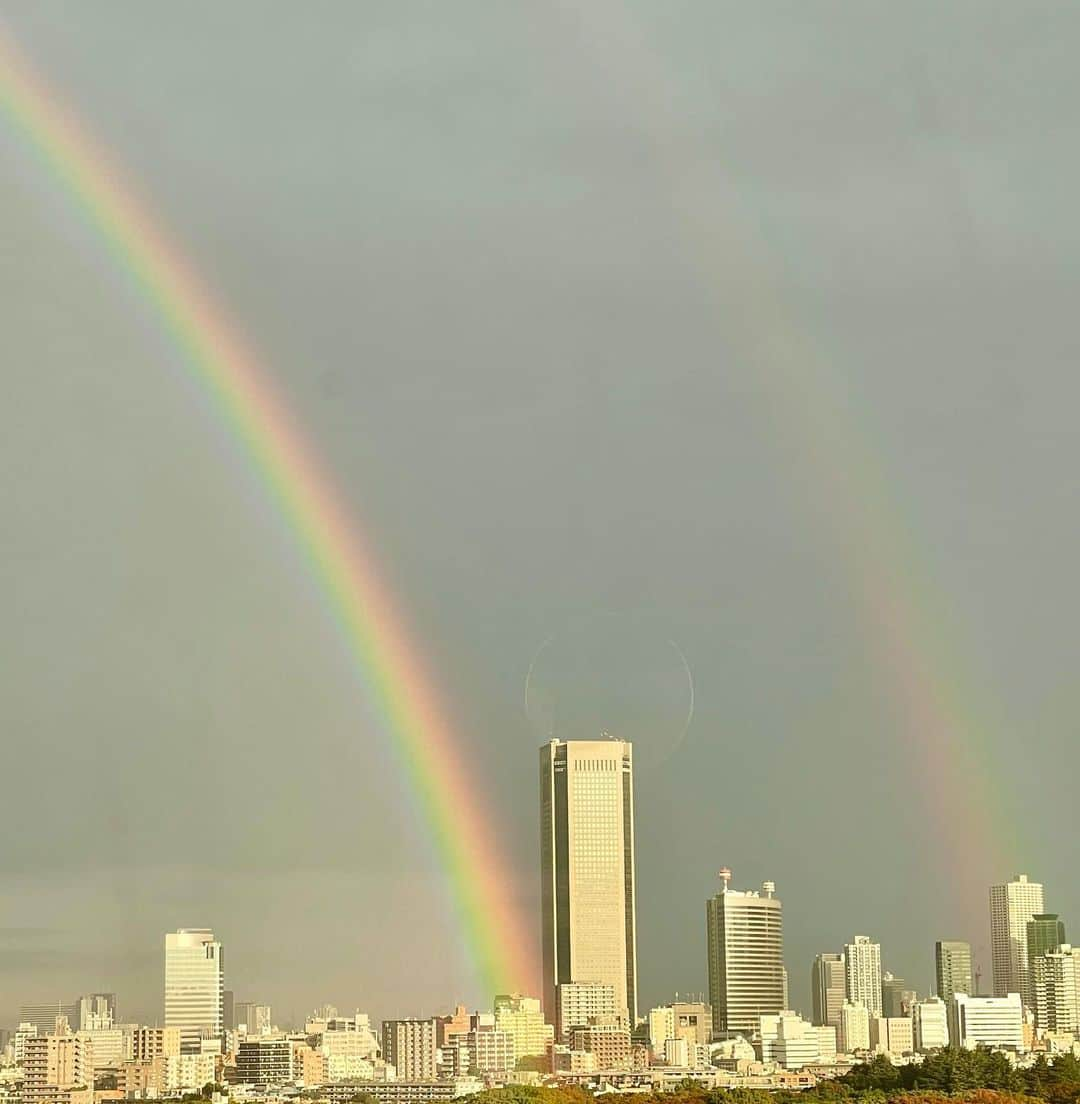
(949,719)
(498,943)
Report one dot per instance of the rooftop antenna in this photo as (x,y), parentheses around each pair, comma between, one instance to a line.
(725,877)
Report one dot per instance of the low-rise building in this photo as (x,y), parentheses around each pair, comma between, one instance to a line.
(608,1038)
(995,1022)
(403,1092)
(892,1035)
(793,1043)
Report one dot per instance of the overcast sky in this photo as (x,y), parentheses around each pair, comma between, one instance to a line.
(711,320)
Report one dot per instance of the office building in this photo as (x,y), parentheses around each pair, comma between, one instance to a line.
(522,1019)
(607,1038)
(688,1021)
(745,940)
(44,1015)
(892,1035)
(589,927)
(409,1046)
(95,1012)
(1056,989)
(576,1003)
(489,1048)
(793,1043)
(930,1025)
(1045,934)
(987,1021)
(148,1043)
(194,986)
(952,968)
(862,974)
(348,1054)
(827,988)
(58,1067)
(897,999)
(1012,905)
(184,1072)
(854,1028)
(261,1060)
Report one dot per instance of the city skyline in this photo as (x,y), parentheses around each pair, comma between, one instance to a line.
(586,842)
(746,333)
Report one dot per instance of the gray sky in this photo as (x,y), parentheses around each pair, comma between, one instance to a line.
(696,314)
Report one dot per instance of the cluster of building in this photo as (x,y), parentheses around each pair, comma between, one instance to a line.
(585,1025)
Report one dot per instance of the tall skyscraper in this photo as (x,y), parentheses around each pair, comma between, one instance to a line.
(587,869)
(952,968)
(827,988)
(862,976)
(745,937)
(194,986)
(1055,976)
(1045,934)
(1012,905)
(897,997)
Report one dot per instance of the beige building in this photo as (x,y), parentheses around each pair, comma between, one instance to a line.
(892,1035)
(745,939)
(1012,905)
(58,1068)
(194,986)
(522,1019)
(685,1021)
(309,1065)
(148,1043)
(587,869)
(409,1046)
(607,1039)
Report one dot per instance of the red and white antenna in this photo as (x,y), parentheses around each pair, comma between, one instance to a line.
(725,877)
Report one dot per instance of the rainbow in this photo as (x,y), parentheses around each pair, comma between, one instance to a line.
(497,941)
(946,714)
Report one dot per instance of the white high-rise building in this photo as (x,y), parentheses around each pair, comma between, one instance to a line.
(1012,905)
(854,1028)
(987,1021)
(862,973)
(576,1003)
(587,869)
(1056,977)
(931,1024)
(194,986)
(827,988)
(745,939)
